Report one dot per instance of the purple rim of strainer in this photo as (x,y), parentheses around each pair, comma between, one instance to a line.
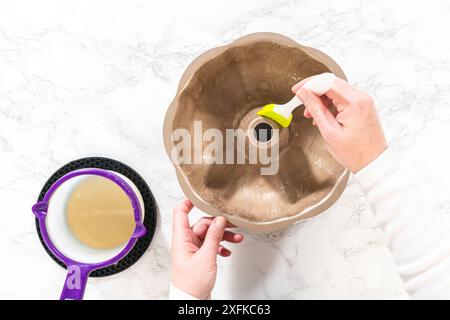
(40,209)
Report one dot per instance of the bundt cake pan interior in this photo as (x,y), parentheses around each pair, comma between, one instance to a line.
(223,88)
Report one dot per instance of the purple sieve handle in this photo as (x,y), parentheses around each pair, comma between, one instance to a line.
(75,284)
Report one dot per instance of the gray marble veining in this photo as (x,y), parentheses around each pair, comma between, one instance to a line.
(83,78)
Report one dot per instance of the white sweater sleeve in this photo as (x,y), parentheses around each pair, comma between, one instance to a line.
(177,294)
(417,236)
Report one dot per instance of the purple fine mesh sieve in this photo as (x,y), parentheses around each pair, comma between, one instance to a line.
(78,271)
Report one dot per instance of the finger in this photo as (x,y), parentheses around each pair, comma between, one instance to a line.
(322,116)
(232,237)
(229,224)
(338,93)
(204,222)
(321,82)
(341,92)
(307,114)
(298,85)
(213,237)
(180,217)
(201,227)
(224,252)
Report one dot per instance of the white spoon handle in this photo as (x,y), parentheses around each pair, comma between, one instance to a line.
(319,84)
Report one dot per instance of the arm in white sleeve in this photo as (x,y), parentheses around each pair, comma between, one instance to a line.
(417,236)
(177,294)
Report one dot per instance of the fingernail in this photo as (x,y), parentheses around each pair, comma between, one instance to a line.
(220,222)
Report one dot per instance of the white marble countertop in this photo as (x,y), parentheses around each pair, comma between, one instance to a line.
(87,78)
